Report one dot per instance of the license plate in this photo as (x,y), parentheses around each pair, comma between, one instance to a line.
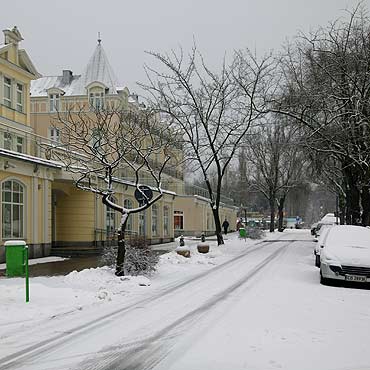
(358,278)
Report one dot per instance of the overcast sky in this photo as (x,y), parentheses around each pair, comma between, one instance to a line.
(63,34)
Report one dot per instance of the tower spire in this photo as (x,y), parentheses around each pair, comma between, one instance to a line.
(99,39)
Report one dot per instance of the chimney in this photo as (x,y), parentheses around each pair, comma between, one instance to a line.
(67,77)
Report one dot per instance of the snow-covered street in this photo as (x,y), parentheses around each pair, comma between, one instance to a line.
(253,305)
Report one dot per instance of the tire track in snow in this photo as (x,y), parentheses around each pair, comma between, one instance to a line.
(150,351)
(18,358)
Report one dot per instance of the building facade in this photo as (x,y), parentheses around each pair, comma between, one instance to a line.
(40,202)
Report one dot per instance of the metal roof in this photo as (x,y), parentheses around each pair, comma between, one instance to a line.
(98,69)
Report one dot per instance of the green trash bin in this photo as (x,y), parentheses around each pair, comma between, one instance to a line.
(242,232)
(16,254)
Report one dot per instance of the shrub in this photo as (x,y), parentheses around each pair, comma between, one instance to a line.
(254,232)
(139,259)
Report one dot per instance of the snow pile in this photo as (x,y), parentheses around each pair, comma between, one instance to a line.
(103,283)
(57,296)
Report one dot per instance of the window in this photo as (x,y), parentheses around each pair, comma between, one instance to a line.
(11,142)
(166,220)
(178,220)
(54,134)
(7,144)
(154,220)
(142,220)
(110,217)
(7,92)
(12,209)
(128,204)
(19,144)
(54,102)
(96,100)
(19,98)
(96,138)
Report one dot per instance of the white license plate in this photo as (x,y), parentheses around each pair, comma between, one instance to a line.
(361,279)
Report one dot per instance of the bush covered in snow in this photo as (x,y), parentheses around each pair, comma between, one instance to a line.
(255,232)
(139,259)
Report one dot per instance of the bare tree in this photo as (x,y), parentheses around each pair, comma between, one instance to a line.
(98,147)
(209,110)
(325,87)
(276,164)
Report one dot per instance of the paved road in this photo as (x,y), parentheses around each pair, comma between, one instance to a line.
(222,319)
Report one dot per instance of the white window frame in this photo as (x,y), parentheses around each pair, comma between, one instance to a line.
(19,144)
(13,142)
(20,97)
(54,134)
(7,85)
(54,102)
(96,100)
(21,204)
(7,140)
(110,221)
(155,212)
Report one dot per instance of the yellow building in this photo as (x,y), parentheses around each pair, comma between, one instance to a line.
(40,202)
(79,219)
(25,179)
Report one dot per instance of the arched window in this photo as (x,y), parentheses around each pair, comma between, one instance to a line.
(12,196)
(128,204)
(110,219)
(166,220)
(154,220)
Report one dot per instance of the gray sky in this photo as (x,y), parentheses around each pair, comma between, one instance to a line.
(62,34)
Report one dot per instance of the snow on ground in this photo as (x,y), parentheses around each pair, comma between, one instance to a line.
(280,318)
(89,289)
(36,261)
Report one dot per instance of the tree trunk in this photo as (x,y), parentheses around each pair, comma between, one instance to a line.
(365,203)
(216,216)
(342,209)
(281,214)
(272,216)
(353,211)
(121,250)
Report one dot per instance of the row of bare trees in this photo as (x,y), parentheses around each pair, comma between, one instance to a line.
(306,107)
(324,87)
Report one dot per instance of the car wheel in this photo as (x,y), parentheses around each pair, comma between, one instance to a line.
(323,281)
(317,260)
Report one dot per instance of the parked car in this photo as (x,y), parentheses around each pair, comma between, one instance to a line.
(328,219)
(346,254)
(313,228)
(320,243)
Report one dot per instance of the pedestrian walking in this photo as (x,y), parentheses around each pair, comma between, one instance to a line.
(225,225)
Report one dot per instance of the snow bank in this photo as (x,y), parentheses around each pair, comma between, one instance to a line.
(62,295)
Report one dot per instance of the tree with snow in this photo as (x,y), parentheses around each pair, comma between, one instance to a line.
(324,85)
(98,147)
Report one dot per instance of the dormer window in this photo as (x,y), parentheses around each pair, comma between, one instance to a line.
(96,100)
(54,101)
(96,92)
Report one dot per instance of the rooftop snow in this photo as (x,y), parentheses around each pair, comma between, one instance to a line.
(98,69)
